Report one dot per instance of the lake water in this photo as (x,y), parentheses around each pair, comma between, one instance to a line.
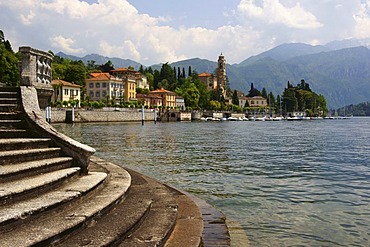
(301,183)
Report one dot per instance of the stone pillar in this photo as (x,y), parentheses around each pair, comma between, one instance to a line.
(35,69)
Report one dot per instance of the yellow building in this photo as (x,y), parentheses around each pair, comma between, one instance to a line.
(256,101)
(104,86)
(130,88)
(65,91)
(168,97)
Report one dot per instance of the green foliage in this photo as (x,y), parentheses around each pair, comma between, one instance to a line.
(362,109)
(9,71)
(253,92)
(301,98)
(215,105)
(235,99)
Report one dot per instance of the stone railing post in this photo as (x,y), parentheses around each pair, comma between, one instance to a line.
(35,70)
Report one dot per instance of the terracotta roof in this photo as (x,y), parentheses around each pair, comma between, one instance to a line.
(64,83)
(162,90)
(95,74)
(147,96)
(100,77)
(205,74)
(123,70)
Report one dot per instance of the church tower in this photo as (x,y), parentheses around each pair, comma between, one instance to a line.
(221,74)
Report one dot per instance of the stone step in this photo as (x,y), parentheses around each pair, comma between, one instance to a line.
(8,107)
(161,218)
(11,124)
(16,156)
(8,95)
(14,133)
(9,115)
(52,226)
(20,212)
(9,89)
(20,170)
(19,189)
(24,143)
(7,100)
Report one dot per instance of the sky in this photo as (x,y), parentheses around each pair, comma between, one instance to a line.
(160,31)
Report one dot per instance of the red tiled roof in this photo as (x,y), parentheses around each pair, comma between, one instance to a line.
(161,90)
(205,74)
(99,77)
(64,83)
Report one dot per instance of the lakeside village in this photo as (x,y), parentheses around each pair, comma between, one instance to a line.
(174,97)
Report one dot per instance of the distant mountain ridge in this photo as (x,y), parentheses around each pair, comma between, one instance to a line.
(117,62)
(341,75)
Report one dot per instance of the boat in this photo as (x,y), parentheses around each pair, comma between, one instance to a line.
(277,118)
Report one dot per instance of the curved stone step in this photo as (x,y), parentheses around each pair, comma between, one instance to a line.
(160,221)
(31,168)
(16,156)
(19,189)
(24,143)
(9,115)
(11,124)
(14,133)
(17,213)
(52,226)
(117,224)
(188,230)
(8,100)
(8,107)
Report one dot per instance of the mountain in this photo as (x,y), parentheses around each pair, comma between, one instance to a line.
(285,52)
(117,62)
(348,43)
(342,76)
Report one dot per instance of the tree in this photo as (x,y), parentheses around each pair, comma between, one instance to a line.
(9,71)
(235,99)
(253,92)
(108,66)
(264,93)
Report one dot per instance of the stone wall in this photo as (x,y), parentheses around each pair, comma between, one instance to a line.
(58,115)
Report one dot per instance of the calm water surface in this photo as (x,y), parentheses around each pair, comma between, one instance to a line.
(287,183)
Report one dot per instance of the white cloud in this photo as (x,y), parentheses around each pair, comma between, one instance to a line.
(65,44)
(272,11)
(362,20)
(117,28)
(27,19)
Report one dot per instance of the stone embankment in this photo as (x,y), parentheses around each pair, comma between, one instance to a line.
(54,192)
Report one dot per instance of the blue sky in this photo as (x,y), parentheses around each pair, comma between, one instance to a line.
(158,31)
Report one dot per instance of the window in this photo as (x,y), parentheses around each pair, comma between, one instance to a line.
(252,102)
(104,85)
(76,92)
(65,91)
(91,94)
(91,85)
(104,93)
(71,92)
(97,94)
(97,85)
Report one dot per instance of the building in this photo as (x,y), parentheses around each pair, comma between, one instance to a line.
(151,101)
(180,103)
(104,86)
(65,91)
(168,97)
(217,80)
(256,101)
(208,80)
(221,74)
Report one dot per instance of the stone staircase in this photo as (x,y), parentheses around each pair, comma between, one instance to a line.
(48,197)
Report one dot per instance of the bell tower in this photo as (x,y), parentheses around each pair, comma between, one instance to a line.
(221,74)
